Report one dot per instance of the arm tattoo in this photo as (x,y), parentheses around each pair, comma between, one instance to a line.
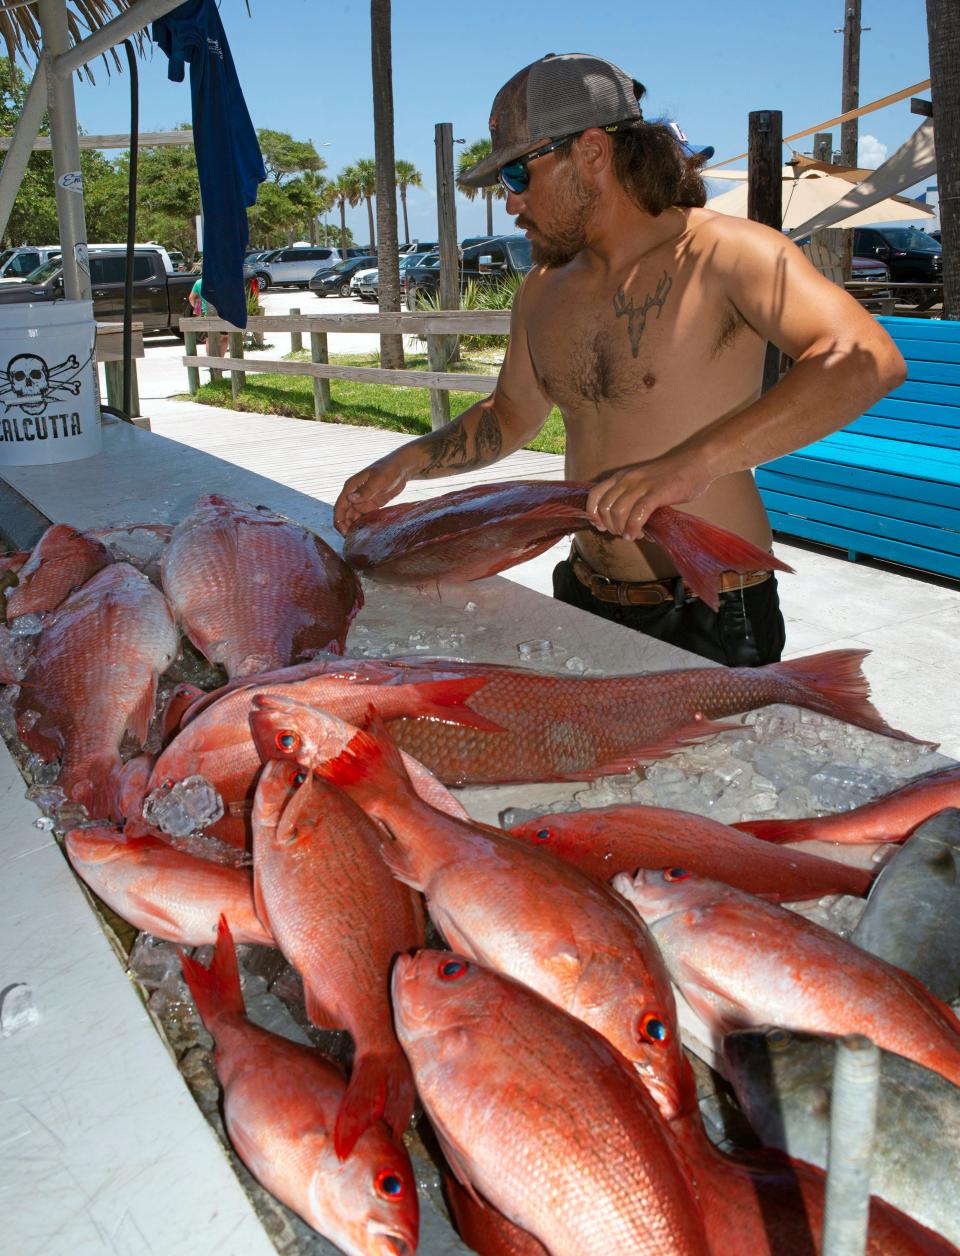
(637,319)
(449,448)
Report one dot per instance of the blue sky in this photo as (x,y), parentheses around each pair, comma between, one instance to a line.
(305,68)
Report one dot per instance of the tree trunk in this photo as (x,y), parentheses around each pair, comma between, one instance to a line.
(406,224)
(943,35)
(343,223)
(373,239)
(388,263)
(488,197)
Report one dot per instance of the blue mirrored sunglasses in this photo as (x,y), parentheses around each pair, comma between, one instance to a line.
(514,175)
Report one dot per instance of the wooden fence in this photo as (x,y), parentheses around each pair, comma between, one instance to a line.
(437,328)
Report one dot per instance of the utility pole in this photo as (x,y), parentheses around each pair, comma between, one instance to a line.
(943,34)
(765,195)
(850,99)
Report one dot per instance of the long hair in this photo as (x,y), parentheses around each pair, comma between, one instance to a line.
(653,169)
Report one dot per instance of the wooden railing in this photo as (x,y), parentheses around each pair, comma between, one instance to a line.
(437,328)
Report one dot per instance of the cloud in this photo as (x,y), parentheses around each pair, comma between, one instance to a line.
(870,152)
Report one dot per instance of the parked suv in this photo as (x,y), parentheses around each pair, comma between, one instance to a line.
(24,261)
(910,255)
(484,263)
(294,267)
(335,282)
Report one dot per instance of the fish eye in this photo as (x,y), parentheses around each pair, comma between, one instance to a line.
(542,835)
(297,777)
(287,742)
(451,969)
(652,1027)
(167,783)
(779,1039)
(675,874)
(389,1185)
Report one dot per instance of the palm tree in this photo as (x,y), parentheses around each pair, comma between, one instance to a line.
(381,64)
(363,179)
(20,28)
(408,176)
(469,157)
(343,190)
(943,33)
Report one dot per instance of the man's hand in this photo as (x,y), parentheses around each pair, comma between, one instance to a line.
(622,502)
(368,490)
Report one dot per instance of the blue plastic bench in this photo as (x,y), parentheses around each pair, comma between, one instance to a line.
(887,485)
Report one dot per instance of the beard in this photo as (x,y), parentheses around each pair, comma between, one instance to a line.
(566,236)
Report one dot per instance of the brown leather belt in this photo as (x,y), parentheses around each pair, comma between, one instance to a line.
(651,592)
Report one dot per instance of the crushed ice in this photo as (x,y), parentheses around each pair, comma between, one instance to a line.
(184,808)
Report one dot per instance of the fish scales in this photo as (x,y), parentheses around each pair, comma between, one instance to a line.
(94,676)
(558,727)
(544,1119)
(61,561)
(255,591)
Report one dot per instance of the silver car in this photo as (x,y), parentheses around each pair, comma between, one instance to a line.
(296,266)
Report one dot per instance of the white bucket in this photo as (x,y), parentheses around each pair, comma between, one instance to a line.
(49,403)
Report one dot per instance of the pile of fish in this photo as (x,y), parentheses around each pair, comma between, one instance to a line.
(522,985)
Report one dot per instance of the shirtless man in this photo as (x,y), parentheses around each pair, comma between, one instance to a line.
(645,322)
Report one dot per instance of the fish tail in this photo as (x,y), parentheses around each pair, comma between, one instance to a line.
(701,551)
(216,989)
(97,783)
(445,700)
(363,1104)
(833,683)
(369,765)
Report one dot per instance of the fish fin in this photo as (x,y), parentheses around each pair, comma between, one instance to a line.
(701,551)
(148,908)
(369,765)
(215,989)
(445,700)
(401,1096)
(362,1105)
(396,859)
(259,903)
(458,1160)
(669,744)
(138,722)
(833,683)
(319,1014)
(782,830)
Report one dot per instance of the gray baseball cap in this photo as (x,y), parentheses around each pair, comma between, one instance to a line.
(553,97)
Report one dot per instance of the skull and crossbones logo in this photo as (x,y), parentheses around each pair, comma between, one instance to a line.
(29,384)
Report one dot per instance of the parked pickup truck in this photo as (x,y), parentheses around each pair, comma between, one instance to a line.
(484,263)
(159,299)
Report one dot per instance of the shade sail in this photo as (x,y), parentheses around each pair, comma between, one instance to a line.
(807,199)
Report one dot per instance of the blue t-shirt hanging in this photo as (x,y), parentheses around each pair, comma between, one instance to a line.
(228,156)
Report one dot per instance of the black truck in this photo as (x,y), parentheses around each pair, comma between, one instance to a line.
(483,263)
(160,299)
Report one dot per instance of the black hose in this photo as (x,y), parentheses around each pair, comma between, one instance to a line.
(131,231)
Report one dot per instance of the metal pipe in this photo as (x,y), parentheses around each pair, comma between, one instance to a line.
(853,1117)
(62,109)
(125,24)
(21,145)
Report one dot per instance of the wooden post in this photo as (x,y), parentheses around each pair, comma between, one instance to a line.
(943,33)
(213,351)
(113,374)
(193,372)
(321,387)
(238,379)
(850,99)
(765,195)
(447,237)
(439,397)
(296,339)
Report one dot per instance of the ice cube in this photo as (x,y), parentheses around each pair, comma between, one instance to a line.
(8,719)
(18,1009)
(841,787)
(784,764)
(42,773)
(536,648)
(185,808)
(49,798)
(26,625)
(575,664)
(470,608)
(152,961)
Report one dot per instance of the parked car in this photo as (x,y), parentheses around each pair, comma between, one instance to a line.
(21,262)
(366,284)
(418,246)
(360,250)
(160,299)
(483,263)
(335,281)
(911,256)
(293,267)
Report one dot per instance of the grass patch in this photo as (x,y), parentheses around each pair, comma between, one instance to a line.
(365,405)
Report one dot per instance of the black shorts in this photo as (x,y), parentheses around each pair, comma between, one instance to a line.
(747,630)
